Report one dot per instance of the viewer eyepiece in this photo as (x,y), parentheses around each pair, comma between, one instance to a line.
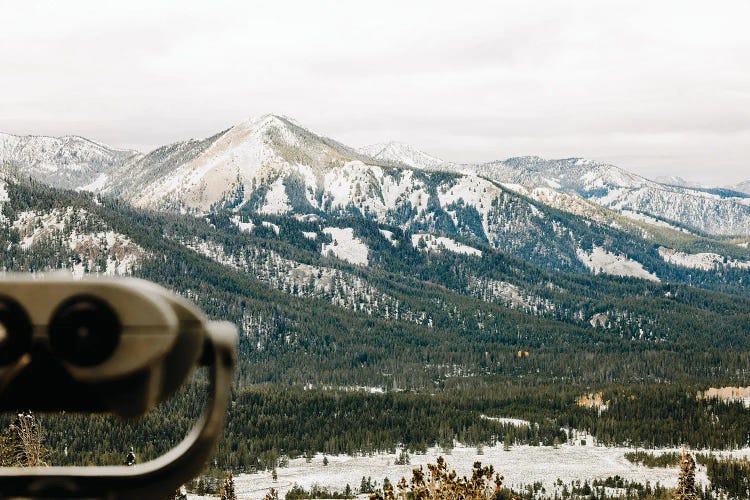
(15,331)
(120,346)
(84,331)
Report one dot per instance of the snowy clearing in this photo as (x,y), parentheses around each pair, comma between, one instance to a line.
(651,220)
(705,261)
(347,388)
(521,465)
(345,246)
(515,422)
(602,261)
(388,235)
(438,243)
(244,227)
(277,201)
(270,225)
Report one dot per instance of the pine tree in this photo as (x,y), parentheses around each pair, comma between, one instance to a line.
(439,482)
(686,485)
(227,489)
(507,441)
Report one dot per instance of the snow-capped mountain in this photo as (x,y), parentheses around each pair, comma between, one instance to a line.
(70,162)
(713,211)
(676,180)
(262,160)
(280,208)
(273,165)
(399,153)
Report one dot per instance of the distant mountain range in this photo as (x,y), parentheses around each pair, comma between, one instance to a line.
(69,162)
(536,209)
(280,167)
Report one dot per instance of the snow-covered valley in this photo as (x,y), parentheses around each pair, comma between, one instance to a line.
(520,465)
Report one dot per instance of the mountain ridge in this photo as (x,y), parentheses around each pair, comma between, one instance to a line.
(279,166)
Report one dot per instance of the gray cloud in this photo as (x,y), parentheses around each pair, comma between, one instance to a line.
(661,88)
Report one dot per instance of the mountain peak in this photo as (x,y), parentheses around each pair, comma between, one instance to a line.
(399,152)
(269,120)
(676,180)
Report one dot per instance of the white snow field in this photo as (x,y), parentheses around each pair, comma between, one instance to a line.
(244,227)
(651,220)
(399,152)
(516,422)
(521,465)
(704,260)
(345,246)
(388,235)
(601,261)
(270,225)
(437,243)
(277,201)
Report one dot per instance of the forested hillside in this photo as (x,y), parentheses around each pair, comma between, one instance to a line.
(488,332)
(411,319)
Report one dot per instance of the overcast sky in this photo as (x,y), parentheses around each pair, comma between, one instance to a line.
(661,88)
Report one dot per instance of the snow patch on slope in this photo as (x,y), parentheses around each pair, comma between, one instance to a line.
(345,246)
(388,235)
(95,185)
(600,260)
(705,260)
(439,243)
(244,227)
(515,422)
(509,295)
(270,225)
(651,220)
(398,152)
(277,201)
(33,226)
